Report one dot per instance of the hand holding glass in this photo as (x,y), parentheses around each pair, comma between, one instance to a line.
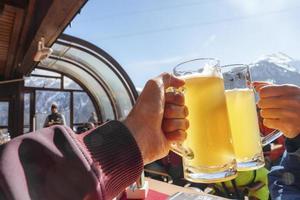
(243,118)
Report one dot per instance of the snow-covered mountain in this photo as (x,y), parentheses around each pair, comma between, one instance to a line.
(277,68)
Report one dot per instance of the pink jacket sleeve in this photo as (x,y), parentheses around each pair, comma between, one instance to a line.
(55,163)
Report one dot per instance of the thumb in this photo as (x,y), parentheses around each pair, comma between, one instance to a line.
(169,80)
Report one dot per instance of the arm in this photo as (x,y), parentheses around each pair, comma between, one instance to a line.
(280,109)
(58,164)
(284,180)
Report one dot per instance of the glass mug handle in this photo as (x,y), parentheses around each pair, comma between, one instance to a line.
(182,151)
(271,137)
(178,148)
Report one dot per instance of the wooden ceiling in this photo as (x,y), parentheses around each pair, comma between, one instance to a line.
(8,25)
(23,23)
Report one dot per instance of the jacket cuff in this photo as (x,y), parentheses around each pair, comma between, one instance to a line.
(292,144)
(116,157)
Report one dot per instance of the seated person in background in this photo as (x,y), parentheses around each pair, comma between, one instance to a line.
(85,127)
(98,164)
(55,118)
(280,108)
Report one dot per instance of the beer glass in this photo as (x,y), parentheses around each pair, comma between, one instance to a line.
(243,118)
(208,154)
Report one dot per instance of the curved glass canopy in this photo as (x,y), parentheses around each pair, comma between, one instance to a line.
(99,74)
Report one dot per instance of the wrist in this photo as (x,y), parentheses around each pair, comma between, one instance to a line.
(292,144)
(130,124)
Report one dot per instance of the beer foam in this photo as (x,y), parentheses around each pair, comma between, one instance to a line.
(208,71)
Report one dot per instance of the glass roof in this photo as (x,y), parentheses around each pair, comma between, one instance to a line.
(97,72)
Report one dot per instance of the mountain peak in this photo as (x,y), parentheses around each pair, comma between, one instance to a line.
(281,60)
(277,68)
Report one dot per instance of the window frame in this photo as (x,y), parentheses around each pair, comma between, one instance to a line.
(32,90)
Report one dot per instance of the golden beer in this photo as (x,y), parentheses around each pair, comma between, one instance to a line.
(245,130)
(209,135)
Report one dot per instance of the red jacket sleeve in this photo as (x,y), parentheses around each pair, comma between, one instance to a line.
(55,163)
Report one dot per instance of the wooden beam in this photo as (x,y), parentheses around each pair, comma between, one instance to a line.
(16,3)
(14,40)
(27,26)
(54,22)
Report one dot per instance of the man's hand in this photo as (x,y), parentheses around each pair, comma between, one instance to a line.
(158,118)
(280,107)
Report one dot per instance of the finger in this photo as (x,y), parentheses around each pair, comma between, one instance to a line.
(280,102)
(170,125)
(257,85)
(273,124)
(276,113)
(176,136)
(175,112)
(169,80)
(176,98)
(287,126)
(278,90)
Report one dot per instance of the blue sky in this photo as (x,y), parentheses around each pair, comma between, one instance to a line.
(148,37)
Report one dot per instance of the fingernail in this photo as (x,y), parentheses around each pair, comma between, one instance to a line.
(186,111)
(187,124)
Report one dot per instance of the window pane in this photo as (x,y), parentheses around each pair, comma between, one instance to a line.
(45,73)
(42,82)
(70,84)
(4,106)
(26,130)
(92,85)
(44,99)
(83,108)
(123,102)
(26,109)
(4,136)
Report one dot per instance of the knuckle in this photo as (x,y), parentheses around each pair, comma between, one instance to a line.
(260,103)
(262,113)
(166,76)
(151,82)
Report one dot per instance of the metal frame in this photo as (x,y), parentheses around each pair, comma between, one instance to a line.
(106,58)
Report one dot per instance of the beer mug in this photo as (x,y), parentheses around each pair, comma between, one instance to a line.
(207,152)
(242,111)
